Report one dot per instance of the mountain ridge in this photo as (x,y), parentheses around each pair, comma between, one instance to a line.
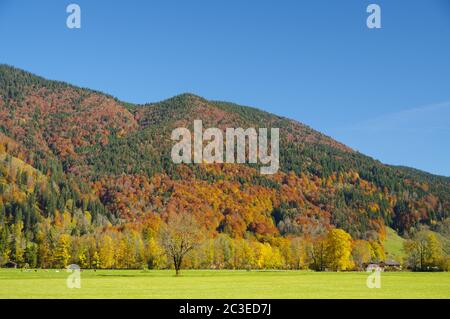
(196,96)
(111,159)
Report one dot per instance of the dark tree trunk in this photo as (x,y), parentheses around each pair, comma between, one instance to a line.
(177,263)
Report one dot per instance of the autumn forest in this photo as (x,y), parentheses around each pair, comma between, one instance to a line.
(87,179)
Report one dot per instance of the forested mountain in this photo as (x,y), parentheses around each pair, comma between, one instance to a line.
(88,179)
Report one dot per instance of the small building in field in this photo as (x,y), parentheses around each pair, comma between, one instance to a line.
(389,265)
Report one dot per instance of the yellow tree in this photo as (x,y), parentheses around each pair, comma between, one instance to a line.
(244,254)
(62,252)
(339,250)
(361,253)
(154,254)
(377,251)
(83,259)
(140,251)
(106,252)
(130,251)
(435,253)
(261,253)
(19,250)
(272,258)
(96,261)
(120,254)
(297,254)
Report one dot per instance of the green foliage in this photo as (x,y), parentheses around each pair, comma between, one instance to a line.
(424,252)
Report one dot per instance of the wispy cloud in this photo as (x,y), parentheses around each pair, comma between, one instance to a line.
(416,137)
(428,118)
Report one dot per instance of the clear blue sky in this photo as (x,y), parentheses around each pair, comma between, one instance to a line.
(383,92)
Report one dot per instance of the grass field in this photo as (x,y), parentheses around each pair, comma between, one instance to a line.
(221,284)
(393,245)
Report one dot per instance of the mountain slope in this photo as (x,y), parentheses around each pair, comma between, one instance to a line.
(112,159)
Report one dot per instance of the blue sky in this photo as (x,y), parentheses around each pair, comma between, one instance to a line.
(383,92)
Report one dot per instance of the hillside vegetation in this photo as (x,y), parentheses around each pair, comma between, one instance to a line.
(88,179)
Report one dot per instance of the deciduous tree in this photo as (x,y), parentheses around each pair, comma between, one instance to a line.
(179,236)
(338,250)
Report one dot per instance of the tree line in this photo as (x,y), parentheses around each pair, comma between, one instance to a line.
(180,243)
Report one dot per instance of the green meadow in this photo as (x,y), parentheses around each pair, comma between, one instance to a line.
(15,283)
